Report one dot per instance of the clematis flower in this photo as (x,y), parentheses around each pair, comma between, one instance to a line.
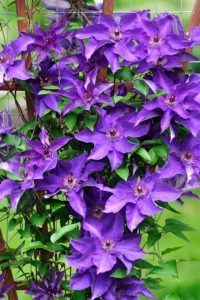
(184,159)
(10,67)
(162,36)
(114,36)
(43,152)
(114,133)
(173,106)
(48,43)
(47,289)
(25,175)
(105,245)
(139,197)
(71,177)
(3,288)
(86,95)
(102,285)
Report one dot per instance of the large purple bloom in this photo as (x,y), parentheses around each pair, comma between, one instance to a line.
(105,245)
(43,152)
(3,288)
(71,177)
(10,67)
(47,289)
(25,176)
(86,95)
(184,159)
(114,37)
(110,138)
(50,42)
(178,104)
(162,37)
(139,196)
(102,285)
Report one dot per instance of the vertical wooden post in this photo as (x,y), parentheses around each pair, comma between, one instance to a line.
(195,17)
(108,8)
(12,294)
(23,27)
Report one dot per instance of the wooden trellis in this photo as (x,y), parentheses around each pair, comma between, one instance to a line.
(108,8)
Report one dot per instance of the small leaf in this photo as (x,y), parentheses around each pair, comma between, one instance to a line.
(45,92)
(70,121)
(153,236)
(38,220)
(15,141)
(158,93)
(144,154)
(123,173)
(90,121)
(62,231)
(51,87)
(35,245)
(166,268)
(161,150)
(170,250)
(141,86)
(172,297)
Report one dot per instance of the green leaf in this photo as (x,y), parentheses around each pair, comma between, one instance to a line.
(153,156)
(167,206)
(90,121)
(15,141)
(158,93)
(161,150)
(141,86)
(153,283)
(36,245)
(172,297)
(177,227)
(143,264)
(38,220)
(120,273)
(70,121)
(51,87)
(170,250)
(142,152)
(123,173)
(62,231)
(45,92)
(153,236)
(166,268)
(125,74)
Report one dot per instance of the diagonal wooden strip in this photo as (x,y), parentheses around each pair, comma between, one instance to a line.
(108,8)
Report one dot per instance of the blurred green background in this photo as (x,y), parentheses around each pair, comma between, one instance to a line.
(187,285)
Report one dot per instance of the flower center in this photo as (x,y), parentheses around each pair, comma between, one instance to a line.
(187,157)
(47,152)
(70,181)
(116,35)
(48,41)
(155,41)
(188,36)
(97,212)
(108,245)
(113,134)
(171,100)
(88,96)
(162,61)
(44,80)
(139,190)
(4,59)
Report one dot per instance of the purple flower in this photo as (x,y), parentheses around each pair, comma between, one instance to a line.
(102,285)
(47,289)
(162,36)
(71,177)
(139,196)
(86,95)
(110,138)
(43,152)
(105,245)
(127,288)
(184,159)
(178,104)
(25,175)
(10,67)
(114,37)
(50,42)
(3,288)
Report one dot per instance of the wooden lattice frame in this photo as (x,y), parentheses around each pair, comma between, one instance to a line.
(108,8)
